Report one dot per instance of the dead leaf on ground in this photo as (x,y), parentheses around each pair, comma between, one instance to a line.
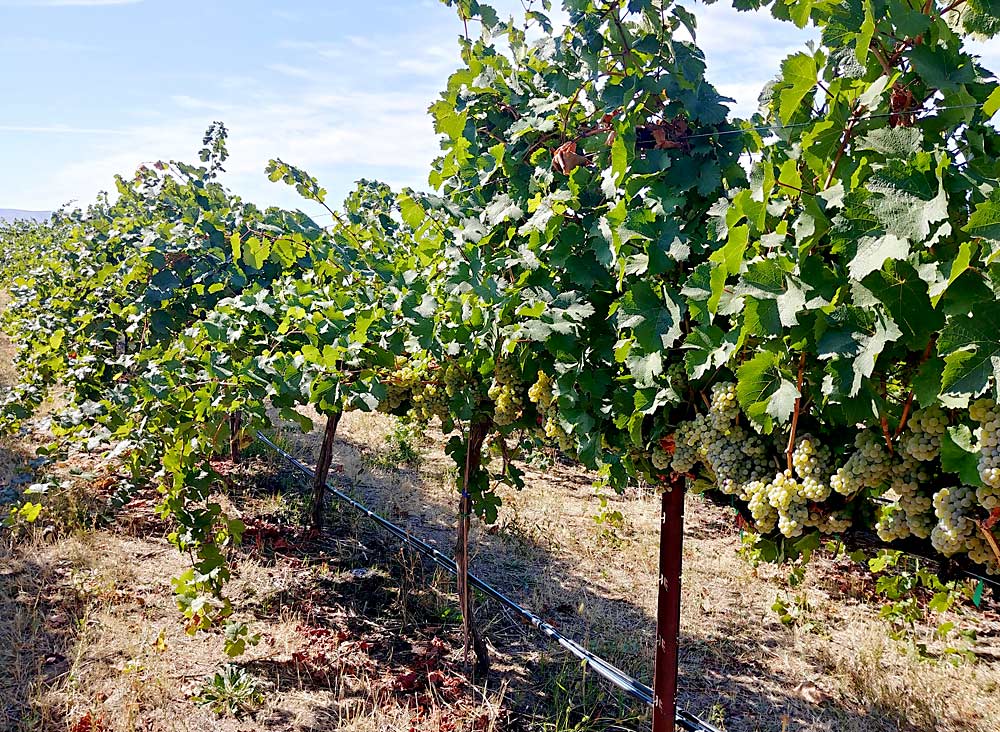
(811,693)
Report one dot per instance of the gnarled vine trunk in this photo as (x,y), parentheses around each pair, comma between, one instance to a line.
(316,514)
(235,428)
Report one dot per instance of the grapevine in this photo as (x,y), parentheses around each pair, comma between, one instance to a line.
(810,338)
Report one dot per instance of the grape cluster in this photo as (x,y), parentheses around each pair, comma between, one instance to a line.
(723,409)
(736,460)
(660,458)
(689,441)
(413,382)
(456,379)
(731,454)
(910,511)
(429,400)
(923,439)
(756,494)
(542,394)
(505,391)
(399,383)
(892,523)
(867,467)
(791,491)
(955,527)
(833,522)
(811,462)
(677,376)
(986,412)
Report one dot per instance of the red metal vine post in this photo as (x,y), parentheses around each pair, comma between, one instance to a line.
(668,606)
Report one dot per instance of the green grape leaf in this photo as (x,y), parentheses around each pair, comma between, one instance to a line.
(799,72)
(763,392)
(898,286)
(985,219)
(971,350)
(873,252)
(992,104)
(960,454)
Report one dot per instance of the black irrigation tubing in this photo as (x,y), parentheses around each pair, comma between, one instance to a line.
(631,686)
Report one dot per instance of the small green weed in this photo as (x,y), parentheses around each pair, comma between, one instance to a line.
(612,522)
(401,448)
(232,690)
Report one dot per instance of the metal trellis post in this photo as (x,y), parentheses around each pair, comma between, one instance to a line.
(668,606)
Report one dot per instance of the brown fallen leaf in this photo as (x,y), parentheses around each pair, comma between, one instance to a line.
(811,693)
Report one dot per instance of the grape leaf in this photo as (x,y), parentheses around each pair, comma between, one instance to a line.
(971,350)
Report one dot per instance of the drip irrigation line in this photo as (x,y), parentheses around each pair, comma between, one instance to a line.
(631,686)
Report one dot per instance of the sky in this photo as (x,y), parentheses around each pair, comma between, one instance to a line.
(91,88)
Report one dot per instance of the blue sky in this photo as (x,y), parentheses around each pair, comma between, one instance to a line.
(341,87)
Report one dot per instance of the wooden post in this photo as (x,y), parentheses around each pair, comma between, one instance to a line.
(473,460)
(668,606)
(323,471)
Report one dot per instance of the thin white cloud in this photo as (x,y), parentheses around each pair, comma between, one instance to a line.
(188,102)
(294,71)
(62,130)
(64,3)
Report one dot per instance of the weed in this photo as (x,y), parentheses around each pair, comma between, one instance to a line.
(612,523)
(232,690)
(717,716)
(401,448)
(792,610)
(581,704)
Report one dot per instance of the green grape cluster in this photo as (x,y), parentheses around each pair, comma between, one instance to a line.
(724,408)
(911,511)
(456,379)
(957,530)
(987,413)
(542,394)
(660,458)
(677,377)
(811,462)
(892,523)
(413,382)
(923,439)
(833,522)
(867,467)
(399,383)
(429,400)
(756,494)
(955,526)
(689,441)
(790,492)
(505,391)
(732,455)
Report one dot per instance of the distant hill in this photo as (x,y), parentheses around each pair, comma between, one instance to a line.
(13,214)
